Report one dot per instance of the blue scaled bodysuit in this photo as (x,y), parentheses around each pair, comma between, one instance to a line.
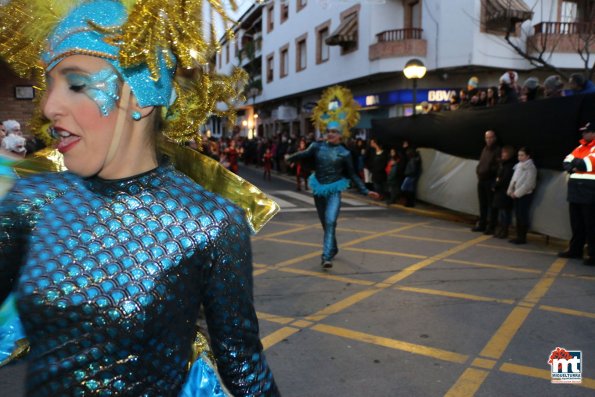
(109,276)
(333,168)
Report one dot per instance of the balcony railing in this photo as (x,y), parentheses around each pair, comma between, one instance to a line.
(400,34)
(565,28)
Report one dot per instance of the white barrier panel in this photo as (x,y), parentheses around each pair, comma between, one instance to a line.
(450,182)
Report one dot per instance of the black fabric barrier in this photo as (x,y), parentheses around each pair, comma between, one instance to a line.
(549,127)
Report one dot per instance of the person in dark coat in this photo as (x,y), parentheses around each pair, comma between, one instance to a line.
(412,173)
(486,177)
(502,203)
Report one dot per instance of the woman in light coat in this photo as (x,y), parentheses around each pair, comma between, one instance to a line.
(521,188)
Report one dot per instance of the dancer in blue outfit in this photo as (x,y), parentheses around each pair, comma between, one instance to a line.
(335,113)
(109,263)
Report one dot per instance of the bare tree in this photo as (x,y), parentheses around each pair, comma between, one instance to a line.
(547,38)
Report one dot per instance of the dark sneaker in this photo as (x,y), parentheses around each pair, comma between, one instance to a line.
(589,261)
(478,229)
(327,264)
(488,231)
(569,254)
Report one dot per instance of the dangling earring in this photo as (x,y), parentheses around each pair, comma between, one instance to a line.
(136,116)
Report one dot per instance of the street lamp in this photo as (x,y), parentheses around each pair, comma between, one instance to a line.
(414,70)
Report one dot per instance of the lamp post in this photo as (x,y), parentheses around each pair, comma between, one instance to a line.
(414,70)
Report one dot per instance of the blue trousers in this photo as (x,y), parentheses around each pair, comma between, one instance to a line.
(328,208)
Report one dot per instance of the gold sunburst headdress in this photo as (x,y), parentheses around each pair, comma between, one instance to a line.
(336,110)
(149,42)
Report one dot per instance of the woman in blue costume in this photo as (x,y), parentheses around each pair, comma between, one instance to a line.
(335,113)
(109,262)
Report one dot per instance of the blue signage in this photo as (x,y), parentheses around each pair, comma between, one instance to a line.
(434,95)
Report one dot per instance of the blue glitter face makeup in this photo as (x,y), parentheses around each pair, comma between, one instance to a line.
(102,87)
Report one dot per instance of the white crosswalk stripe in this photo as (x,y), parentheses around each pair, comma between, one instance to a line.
(306,202)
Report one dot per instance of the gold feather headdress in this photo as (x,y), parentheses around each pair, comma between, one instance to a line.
(337,110)
(155,33)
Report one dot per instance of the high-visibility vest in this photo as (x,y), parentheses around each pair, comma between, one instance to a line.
(586,152)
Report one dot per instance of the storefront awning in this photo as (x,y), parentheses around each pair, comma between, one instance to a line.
(346,32)
(506,13)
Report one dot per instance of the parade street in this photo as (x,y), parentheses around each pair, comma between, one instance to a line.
(415,305)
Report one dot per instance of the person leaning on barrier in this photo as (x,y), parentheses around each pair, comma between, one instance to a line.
(580,164)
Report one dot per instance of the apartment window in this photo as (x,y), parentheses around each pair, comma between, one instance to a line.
(322,48)
(219,59)
(301,53)
(413,14)
(284,61)
(301,4)
(227,53)
(270,67)
(270,17)
(284,12)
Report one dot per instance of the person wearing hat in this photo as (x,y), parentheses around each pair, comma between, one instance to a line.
(335,112)
(111,261)
(580,164)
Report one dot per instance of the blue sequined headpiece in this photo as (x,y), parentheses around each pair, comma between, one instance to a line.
(77,34)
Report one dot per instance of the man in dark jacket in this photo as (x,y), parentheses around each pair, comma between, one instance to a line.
(378,162)
(580,164)
(486,171)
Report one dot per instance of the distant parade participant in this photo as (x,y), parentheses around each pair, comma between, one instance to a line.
(580,164)
(335,113)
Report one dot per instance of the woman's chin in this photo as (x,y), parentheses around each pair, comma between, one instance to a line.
(80,168)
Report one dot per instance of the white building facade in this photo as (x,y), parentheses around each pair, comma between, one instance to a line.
(294,49)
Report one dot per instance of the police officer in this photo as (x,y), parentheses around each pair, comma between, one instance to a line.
(580,164)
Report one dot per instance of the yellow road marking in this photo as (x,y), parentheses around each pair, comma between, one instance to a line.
(275,222)
(500,340)
(440,354)
(483,363)
(449,229)
(468,384)
(297,259)
(278,336)
(492,266)
(581,277)
(541,374)
(386,233)
(380,252)
(294,242)
(260,265)
(341,305)
(456,295)
(570,312)
(302,323)
(259,272)
(435,240)
(420,265)
(506,248)
(325,276)
(546,281)
(344,229)
(283,233)
(273,318)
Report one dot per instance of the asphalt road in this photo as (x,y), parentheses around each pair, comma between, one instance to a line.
(415,305)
